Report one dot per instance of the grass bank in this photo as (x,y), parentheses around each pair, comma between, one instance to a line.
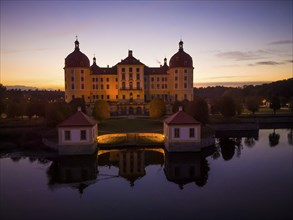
(123,125)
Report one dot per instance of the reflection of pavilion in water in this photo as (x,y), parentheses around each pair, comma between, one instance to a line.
(81,171)
(73,171)
(185,168)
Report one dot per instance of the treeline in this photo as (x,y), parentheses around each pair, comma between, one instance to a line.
(282,89)
(34,103)
(274,95)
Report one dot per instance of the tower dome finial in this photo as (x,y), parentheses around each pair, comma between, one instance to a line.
(181,45)
(76,43)
(94,59)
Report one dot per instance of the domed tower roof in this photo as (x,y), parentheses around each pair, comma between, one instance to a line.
(180,59)
(95,68)
(77,58)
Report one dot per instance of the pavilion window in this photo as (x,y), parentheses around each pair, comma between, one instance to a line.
(191,133)
(177,132)
(67,135)
(83,135)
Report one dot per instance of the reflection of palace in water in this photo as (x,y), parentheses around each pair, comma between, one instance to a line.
(81,171)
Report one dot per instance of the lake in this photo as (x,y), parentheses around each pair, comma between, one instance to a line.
(240,178)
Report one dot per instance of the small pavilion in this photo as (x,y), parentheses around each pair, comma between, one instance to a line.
(182,133)
(77,135)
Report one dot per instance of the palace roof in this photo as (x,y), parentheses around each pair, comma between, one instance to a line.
(77,58)
(181,59)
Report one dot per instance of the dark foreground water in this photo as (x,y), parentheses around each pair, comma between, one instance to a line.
(243,178)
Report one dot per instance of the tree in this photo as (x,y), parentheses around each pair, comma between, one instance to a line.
(198,109)
(252,104)
(175,106)
(227,106)
(101,110)
(274,139)
(77,102)
(291,103)
(275,104)
(57,112)
(157,108)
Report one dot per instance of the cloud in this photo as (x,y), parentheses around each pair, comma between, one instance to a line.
(239,55)
(281,42)
(269,63)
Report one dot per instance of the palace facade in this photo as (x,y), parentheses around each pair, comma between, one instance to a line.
(130,85)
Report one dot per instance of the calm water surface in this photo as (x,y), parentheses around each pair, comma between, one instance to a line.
(243,178)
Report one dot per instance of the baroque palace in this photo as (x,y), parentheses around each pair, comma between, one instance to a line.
(130,85)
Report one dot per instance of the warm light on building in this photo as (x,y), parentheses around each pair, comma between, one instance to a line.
(129,85)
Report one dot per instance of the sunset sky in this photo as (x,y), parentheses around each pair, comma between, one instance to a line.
(229,41)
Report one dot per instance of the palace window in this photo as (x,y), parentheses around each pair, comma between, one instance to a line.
(130,76)
(176,85)
(138,76)
(72,78)
(72,86)
(176,78)
(130,69)
(185,96)
(137,85)
(81,71)
(94,86)
(176,132)
(82,86)
(83,135)
(123,85)
(93,79)
(123,69)
(102,96)
(191,132)
(176,71)
(123,76)
(137,70)
(101,79)
(158,79)
(123,97)
(97,86)
(108,97)
(152,79)
(67,135)
(185,85)
(185,71)
(130,85)
(108,87)
(102,86)
(185,78)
